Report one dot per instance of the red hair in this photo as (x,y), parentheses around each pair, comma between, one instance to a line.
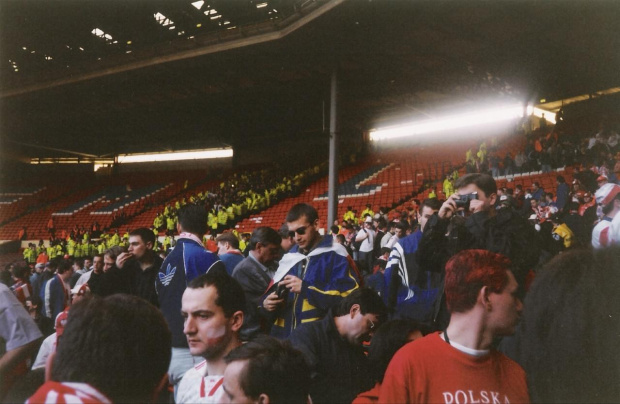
(468,271)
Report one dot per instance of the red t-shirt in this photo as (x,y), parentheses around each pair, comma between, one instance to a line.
(429,370)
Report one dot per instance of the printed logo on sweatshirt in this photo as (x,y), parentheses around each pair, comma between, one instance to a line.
(166,278)
(471,397)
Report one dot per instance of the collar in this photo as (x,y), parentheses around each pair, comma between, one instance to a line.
(294,257)
(190,236)
(261,265)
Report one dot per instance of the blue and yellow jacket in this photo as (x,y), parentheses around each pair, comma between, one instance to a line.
(329,276)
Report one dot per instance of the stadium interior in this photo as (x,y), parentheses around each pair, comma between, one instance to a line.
(83,86)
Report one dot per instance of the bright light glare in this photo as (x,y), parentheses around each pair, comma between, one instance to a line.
(175,156)
(481,117)
(198,4)
(261,5)
(549,116)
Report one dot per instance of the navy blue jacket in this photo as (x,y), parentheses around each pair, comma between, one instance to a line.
(186,261)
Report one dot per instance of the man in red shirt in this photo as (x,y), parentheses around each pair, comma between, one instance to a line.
(459,364)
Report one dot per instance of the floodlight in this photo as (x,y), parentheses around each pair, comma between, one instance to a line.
(481,117)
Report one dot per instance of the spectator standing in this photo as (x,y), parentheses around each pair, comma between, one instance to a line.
(411,292)
(188,260)
(317,272)
(20,336)
(254,274)
(333,347)
(608,198)
(55,293)
(576,291)
(130,366)
(366,236)
(212,310)
(228,251)
(141,264)
(266,370)
(481,294)
(472,222)
(561,193)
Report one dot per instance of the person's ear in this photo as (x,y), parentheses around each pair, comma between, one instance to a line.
(263,399)
(354,310)
(492,199)
(484,298)
(236,321)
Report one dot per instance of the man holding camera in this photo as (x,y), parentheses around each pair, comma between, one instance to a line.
(468,220)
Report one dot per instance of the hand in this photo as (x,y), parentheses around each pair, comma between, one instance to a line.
(448,209)
(476,206)
(272,302)
(293,283)
(122,258)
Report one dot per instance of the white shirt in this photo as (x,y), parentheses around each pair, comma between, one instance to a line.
(198,387)
(368,243)
(386,238)
(47,347)
(392,241)
(83,279)
(614,230)
(600,234)
(16,327)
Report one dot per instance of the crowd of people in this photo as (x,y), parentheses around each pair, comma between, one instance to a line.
(484,295)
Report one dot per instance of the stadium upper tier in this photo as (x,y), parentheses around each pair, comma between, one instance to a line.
(389,178)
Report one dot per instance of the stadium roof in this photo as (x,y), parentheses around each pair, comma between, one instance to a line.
(105,77)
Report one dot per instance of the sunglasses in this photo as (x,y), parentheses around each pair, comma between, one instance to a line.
(372,325)
(300,230)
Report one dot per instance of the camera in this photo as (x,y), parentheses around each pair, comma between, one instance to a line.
(282,291)
(464,200)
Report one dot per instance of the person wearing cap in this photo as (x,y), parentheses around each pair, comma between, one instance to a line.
(366,236)
(608,198)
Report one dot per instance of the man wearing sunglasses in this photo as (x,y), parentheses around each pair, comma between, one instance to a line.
(314,276)
(333,347)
